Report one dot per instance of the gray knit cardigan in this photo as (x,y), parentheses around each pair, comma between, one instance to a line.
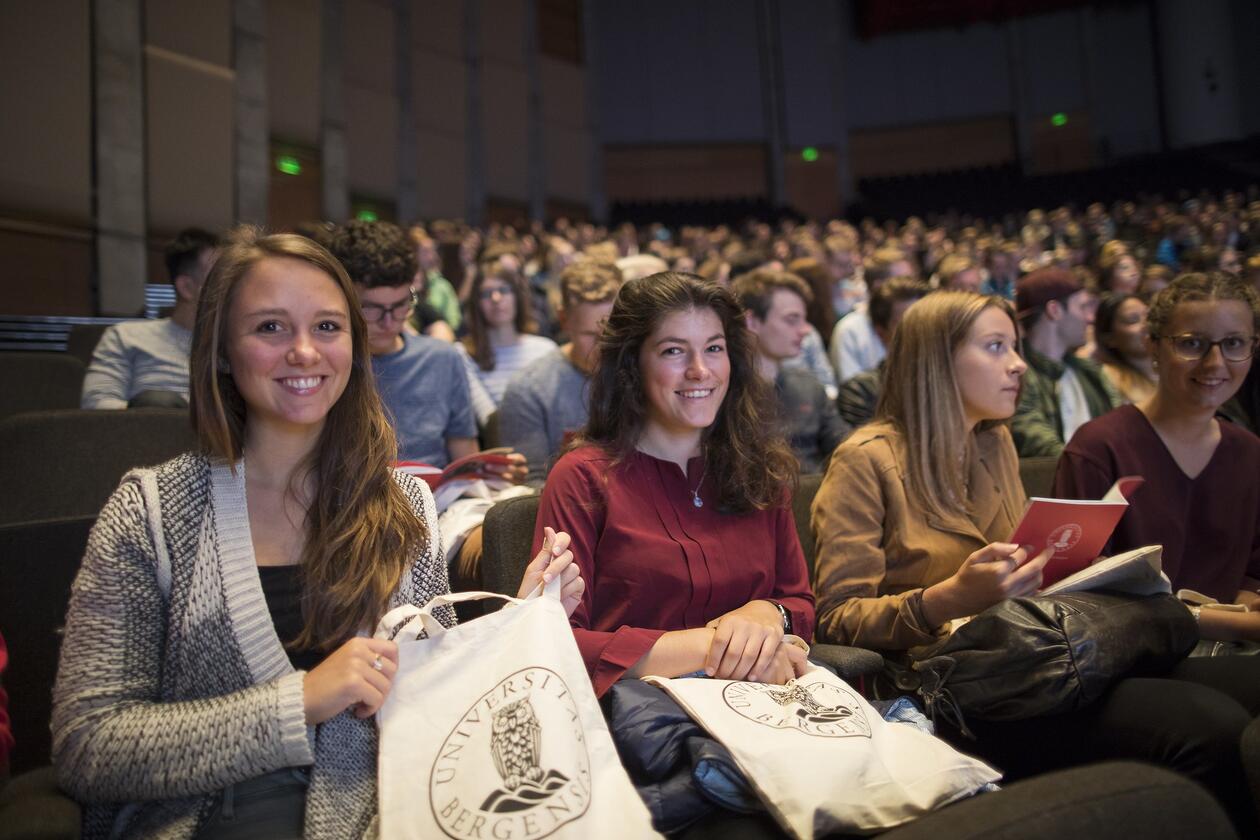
(170,691)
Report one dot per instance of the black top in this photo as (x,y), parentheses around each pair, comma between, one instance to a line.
(282,587)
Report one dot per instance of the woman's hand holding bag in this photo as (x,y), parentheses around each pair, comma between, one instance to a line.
(554,559)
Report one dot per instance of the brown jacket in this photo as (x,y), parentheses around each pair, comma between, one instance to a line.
(877,550)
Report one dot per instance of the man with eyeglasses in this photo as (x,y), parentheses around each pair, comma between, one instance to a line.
(420,379)
(1061,391)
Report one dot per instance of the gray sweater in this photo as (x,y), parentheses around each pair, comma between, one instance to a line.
(167,693)
(543,404)
(137,356)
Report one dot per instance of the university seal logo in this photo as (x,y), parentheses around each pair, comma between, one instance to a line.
(1062,539)
(815,708)
(516,764)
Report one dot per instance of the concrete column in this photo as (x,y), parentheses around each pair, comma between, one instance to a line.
(118,149)
(408,178)
(1099,151)
(537,143)
(842,37)
(1199,72)
(253,137)
(474,141)
(771,60)
(332,114)
(597,196)
(1021,112)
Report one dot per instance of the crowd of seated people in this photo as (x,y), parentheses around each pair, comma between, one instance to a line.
(682,379)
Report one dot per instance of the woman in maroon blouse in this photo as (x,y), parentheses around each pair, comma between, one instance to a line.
(1201,499)
(677,495)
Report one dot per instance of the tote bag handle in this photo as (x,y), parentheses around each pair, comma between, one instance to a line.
(415,619)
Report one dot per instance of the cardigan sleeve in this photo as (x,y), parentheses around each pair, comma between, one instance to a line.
(114,737)
(573,500)
(848,521)
(427,576)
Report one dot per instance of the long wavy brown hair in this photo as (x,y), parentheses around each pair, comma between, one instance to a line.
(361,531)
(750,463)
(921,398)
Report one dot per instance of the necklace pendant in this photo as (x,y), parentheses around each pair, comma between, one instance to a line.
(696,500)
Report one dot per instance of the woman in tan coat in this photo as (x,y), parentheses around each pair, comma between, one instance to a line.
(909,522)
(911,513)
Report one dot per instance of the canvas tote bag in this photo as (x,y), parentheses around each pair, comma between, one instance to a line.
(822,759)
(491,730)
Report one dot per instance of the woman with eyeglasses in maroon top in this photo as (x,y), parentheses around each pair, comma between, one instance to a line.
(1201,499)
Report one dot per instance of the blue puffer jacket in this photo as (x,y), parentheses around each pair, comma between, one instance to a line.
(681,773)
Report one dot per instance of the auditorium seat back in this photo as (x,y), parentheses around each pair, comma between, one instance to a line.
(66,463)
(82,339)
(507,536)
(1037,476)
(39,381)
(38,562)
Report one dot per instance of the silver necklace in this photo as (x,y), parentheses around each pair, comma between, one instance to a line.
(695,494)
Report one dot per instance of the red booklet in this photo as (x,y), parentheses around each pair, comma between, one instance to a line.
(487,464)
(1077,530)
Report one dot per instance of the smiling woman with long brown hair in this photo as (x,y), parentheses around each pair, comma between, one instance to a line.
(215,680)
(677,497)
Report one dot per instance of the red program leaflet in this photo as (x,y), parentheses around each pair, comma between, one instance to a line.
(1076,530)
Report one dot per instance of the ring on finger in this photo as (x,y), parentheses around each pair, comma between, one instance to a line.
(378,664)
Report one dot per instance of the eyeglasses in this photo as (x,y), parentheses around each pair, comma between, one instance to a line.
(375,313)
(1192,348)
(501,291)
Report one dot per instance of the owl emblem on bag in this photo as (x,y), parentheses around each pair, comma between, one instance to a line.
(817,708)
(516,764)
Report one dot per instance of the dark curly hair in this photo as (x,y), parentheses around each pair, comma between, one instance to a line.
(374,254)
(747,459)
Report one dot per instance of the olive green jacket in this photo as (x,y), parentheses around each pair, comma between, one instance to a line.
(1038,423)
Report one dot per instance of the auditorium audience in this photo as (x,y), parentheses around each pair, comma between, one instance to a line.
(1003,271)
(421,380)
(860,394)
(958,272)
(774,304)
(1119,272)
(214,680)
(1154,278)
(676,495)
(1121,349)
(501,337)
(1061,391)
(546,402)
(909,524)
(1202,332)
(813,355)
(855,346)
(821,311)
(146,362)
(439,294)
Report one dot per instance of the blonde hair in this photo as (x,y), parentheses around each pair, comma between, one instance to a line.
(588,281)
(921,398)
(360,529)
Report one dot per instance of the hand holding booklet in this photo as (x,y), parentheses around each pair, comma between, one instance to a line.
(486,464)
(1075,530)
